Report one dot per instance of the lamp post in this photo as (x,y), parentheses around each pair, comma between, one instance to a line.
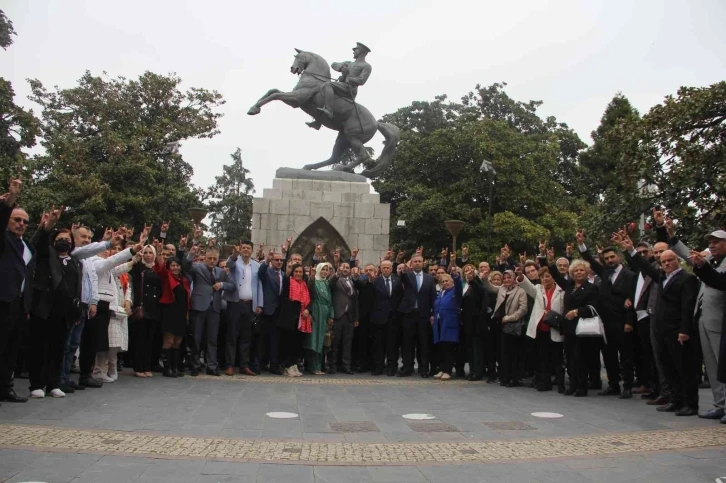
(488,168)
(454,227)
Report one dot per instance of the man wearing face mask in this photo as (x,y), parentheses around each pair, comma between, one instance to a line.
(17,265)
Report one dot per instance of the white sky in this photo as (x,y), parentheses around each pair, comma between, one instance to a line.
(573,55)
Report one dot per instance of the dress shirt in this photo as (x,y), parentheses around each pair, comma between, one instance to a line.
(641,314)
(27,256)
(670,275)
(244,286)
(614,275)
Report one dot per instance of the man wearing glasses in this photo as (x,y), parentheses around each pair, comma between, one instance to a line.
(674,326)
(272,277)
(17,265)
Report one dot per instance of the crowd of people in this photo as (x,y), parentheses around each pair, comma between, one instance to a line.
(68,304)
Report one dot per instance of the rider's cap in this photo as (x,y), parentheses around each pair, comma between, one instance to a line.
(362,46)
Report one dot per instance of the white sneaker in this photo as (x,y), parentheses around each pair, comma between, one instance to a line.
(438,376)
(113,375)
(297,370)
(445,377)
(287,372)
(37,394)
(103,378)
(57,393)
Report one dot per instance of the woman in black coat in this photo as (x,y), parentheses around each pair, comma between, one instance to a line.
(581,352)
(475,320)
(146,313)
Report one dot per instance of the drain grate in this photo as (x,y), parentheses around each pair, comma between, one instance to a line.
(354,427)
(432,427)
(510,426)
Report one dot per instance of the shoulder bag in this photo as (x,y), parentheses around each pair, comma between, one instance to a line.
(590,326)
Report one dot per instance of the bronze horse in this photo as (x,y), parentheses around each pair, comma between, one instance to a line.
(355,124)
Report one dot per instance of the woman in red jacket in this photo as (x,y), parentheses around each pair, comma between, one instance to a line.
(174,304)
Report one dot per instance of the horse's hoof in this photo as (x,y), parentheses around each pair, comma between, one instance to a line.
(308,167)
(254,110)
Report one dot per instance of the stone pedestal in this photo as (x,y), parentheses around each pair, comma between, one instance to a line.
(305,209)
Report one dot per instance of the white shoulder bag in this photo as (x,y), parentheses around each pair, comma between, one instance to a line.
(591,326)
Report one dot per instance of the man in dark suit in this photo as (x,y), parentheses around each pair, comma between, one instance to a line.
(345,318)
(674,321)
(387,293)
(416,308)
(271,275)
(617,293)
(366,297)
(17,265)
(210,282)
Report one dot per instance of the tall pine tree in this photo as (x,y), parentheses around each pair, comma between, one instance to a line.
(230,202)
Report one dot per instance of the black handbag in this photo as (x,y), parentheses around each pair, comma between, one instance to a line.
(515,328)
(553,319)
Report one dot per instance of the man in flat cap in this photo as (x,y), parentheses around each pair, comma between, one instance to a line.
(354,74)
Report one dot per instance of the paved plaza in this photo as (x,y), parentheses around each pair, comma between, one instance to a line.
(348,429)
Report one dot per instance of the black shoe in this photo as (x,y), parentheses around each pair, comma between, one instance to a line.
(569,392)
(503,382)
(66,388)
(580,393)
(347,370)
(475,377)
(9,396)
(595,385)
(214,372)
(514,383)
(90,382)
(276,371)
(193,372)
(168,372)
(425,375)
(492,379)
(376,372)
(390,372)
(561,388)
(75,386)
(610,391)
(669,408)
(626,394)
(687,411)
(544,388)
(404,373)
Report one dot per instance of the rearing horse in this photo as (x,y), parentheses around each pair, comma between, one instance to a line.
(355,124)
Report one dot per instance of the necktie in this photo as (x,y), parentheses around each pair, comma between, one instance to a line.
(279,280)
(388,286)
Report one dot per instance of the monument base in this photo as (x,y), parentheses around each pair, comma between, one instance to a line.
(338,214)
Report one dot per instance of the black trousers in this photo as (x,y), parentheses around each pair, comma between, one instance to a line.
(378,345)
(570,346)
(680,367)
(618,355)
(290,346)
(92,334)
(239,334)
(269,340)
(361,340)
(475,353)
(462,357)
(416,327)
(394,334)
(493,350)
(47,344)
(548,356)
(645,362)
(343,329)
(143,333)
(512,365)
(587,351)
(446,356)
(11,318)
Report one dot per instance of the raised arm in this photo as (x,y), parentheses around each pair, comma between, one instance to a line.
(528,288)
(488,286)
(81,253)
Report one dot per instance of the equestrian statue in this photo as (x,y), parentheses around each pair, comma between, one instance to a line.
(332,104)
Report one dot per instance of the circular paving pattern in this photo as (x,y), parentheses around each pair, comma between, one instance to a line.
(316,453)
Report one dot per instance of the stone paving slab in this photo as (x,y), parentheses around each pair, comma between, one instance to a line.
(165,446)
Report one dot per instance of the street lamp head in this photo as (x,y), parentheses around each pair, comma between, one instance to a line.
(487,167)
(454,226)
(197,214)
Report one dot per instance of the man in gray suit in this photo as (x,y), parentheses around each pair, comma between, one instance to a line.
(209,282)
(345,318)
(242,304)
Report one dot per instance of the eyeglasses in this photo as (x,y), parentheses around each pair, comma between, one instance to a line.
(18,219)
(277,259)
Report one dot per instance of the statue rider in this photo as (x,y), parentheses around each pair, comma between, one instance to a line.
(354,74)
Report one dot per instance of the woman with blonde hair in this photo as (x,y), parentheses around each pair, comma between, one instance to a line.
(321,309)
(446,323)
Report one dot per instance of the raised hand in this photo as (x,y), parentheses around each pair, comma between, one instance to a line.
(108,234)
(658,217)
(198,232)
(452,258)
(697,258)
(354,253)
(283,247)
(15,187)
(75,226)
(551,254)
(569,249)
(443,253)
(670,228)
(580,236)
(542,247)
(388,255)
(53,217)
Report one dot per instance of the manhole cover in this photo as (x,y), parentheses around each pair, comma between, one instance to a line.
(433,427)
(355,427)
(510,426)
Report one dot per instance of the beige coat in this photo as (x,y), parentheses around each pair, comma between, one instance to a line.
(516,304)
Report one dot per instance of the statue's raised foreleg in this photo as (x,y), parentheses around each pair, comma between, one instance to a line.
(293,99)
(341,144)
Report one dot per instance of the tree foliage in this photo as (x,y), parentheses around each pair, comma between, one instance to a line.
(105,148)
(230,202)
(6,31)
(436,174)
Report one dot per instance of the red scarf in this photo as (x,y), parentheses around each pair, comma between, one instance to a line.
(299,293)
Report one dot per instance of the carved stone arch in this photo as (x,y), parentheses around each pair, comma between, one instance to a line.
(320,231)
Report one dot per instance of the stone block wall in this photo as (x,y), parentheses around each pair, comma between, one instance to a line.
(291,205)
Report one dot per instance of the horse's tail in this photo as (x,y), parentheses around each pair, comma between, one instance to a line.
(392,135)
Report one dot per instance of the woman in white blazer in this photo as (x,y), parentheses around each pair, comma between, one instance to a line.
(547,296)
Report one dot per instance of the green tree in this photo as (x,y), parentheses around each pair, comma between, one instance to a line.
(230,202)
(18,128)
(105,143)
(436,175)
